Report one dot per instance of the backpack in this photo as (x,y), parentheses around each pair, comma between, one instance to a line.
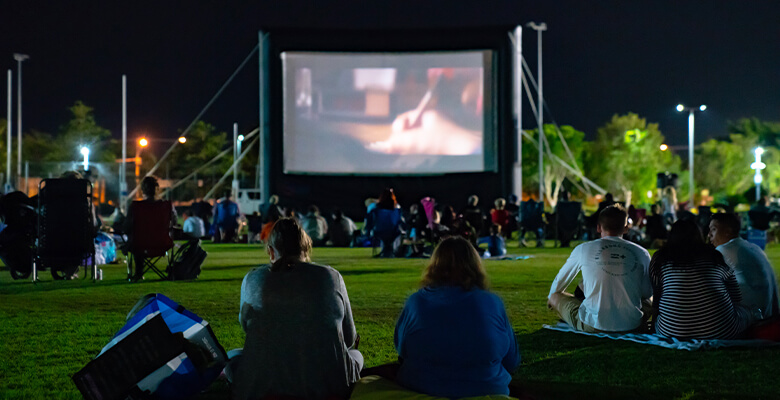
(187,261)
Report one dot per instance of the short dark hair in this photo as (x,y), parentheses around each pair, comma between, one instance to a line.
(728,221)
(149,186)
(313,209)
(613,218)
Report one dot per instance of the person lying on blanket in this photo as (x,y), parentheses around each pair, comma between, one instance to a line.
(615,280)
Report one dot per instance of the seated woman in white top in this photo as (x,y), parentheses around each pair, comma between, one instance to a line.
(298,324)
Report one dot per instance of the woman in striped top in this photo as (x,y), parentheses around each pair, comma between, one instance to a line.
(695,294)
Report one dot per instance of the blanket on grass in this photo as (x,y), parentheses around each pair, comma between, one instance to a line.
(669,343)
(374,387)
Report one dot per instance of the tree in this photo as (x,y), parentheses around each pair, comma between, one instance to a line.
(723,166)
(555,174)
(203,144)
(767,133)
(625,157)
(81,130)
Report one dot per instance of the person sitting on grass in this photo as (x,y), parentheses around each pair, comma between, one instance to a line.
(342,230)
(615,282)
(315,226)
(695,293)
(453,337)
(300,336)
(500,216)
(495,242)
(754,273)
(385,223)
(193,225)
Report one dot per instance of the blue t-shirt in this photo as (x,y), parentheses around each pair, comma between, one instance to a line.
(455,343)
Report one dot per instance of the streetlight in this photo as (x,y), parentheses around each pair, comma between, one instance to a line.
(19,58)
(664,147)
(539,28)
(758,166)
(182,139)
(85,153)
(681,108)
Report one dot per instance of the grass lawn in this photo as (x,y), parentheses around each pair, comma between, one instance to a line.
(49,330)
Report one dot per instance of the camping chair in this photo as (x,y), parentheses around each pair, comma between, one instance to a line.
(66,228)
(150,239)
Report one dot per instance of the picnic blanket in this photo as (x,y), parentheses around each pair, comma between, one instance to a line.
(374,387)
(669,343)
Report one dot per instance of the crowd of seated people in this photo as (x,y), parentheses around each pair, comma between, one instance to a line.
(453,336)
(689,289)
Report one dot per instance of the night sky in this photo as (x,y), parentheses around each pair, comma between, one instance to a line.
(600,58)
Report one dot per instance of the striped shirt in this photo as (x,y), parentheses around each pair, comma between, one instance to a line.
(695,295)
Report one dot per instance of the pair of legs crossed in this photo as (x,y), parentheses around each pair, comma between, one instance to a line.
(568,307)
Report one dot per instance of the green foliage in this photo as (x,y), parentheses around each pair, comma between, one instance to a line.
(767,133)
(554,173)
(723,166)
(52,329)
(625,157)
(203,144)
(81,130)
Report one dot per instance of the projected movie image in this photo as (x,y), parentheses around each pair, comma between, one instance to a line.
(384,113)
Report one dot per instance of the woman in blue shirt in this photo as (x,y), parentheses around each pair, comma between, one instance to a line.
(453,336)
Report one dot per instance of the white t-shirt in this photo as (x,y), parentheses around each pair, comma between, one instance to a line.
(614,279)
(754,275)
(194,226)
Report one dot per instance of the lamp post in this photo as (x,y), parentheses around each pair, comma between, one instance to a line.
(19,58)
(539,28)
(8,185)
(140,144)
(681,108)
(85,153)
(758,166)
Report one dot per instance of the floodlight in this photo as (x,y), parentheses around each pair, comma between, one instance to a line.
(680,108)
(143,142)
(702,107)
(240,138)
(84,151)
(664,147)
(759,151)
(182,139)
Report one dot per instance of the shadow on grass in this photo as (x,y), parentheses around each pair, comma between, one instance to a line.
(366,271)
(228,267)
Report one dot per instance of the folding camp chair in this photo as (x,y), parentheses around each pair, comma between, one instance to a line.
(66,228)
(149,240)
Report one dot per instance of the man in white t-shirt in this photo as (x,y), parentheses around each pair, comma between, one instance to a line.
(615,280)
(756,279)
(193,225)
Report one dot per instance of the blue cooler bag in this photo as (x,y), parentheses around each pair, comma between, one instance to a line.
(163,352)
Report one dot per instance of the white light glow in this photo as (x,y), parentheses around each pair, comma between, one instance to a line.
(240,138)
(759,151)
(664,147)
(680,107)
(702,107)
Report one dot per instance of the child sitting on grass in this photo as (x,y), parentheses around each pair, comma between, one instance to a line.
(495,242)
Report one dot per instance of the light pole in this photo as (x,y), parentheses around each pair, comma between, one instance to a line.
(758,166)
(19,58)
(85,153)
(681,108)
(539,28)
(9,135)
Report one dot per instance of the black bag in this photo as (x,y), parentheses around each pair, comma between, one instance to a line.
(187,261)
